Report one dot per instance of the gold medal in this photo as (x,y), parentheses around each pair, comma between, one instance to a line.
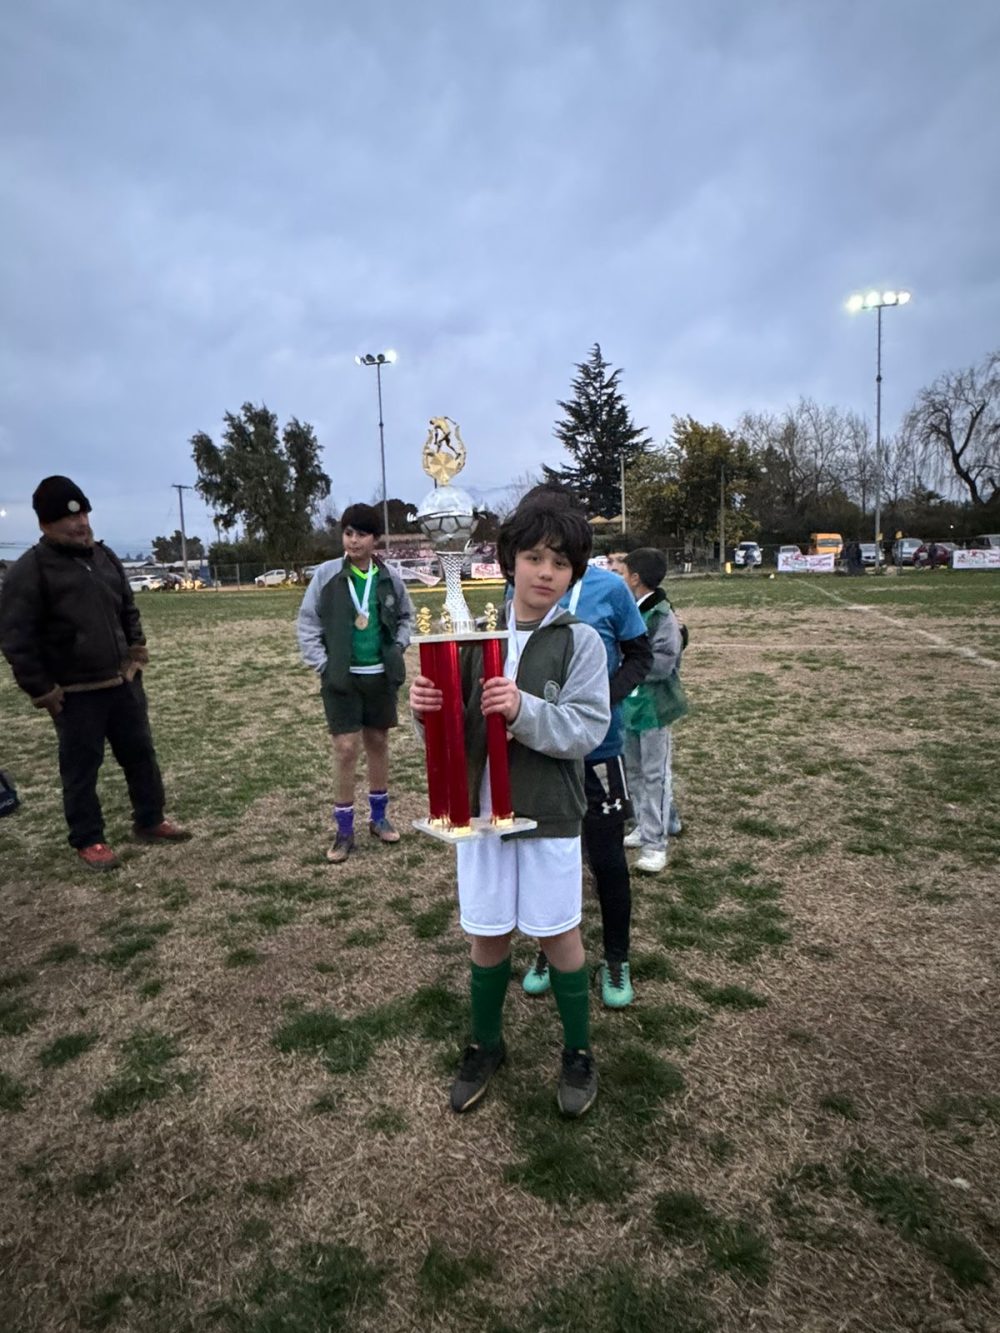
(361,620)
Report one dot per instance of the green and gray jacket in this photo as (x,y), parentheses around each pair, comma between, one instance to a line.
(660,700)
(565,712)
(326,621)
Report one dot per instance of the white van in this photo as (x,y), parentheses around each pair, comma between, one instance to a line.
(985,541)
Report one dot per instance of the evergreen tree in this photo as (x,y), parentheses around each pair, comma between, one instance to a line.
(597,431)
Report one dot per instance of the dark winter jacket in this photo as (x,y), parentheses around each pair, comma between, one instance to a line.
(67,618)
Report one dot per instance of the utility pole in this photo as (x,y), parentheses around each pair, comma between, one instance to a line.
(722,519)
(184,546)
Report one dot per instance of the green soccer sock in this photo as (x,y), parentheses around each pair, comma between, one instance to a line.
(572,992)
(488,986)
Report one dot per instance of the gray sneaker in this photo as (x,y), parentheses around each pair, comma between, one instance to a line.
(383,829)
(475,1070)
(341,849)
(577,1090)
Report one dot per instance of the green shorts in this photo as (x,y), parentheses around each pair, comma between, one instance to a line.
(369,701)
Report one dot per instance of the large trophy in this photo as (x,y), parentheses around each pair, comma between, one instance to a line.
(447,515)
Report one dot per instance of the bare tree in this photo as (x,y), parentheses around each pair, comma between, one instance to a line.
(508,500)
(954,428)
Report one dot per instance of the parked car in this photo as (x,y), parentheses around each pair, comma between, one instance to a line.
(272,578)
(144,582)
(869,553)
(942,555)
(985,541)
(787,550)
(904,548)
(822,543)
(747,555)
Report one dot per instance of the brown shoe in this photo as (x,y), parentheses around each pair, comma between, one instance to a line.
(383,830)
(342,848)
(165,831)
(98,856)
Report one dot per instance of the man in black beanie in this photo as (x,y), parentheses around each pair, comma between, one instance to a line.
(70,629)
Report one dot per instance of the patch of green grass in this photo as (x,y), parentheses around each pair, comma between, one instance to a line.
(275,1189)
(561,1165)
(840,1103)
(89,1184)
(272,916)
(435,921)
(442,1275)
(682,1216)
(732,1246)
(15,980)
(343,1043)
(325,1104)
(242,957)
(12,1093)
(64,1049)
(759,828)
(721,1149)
(637,1082)
(965,1109)
(150,989)
(666,1024)
(17,1015)
(121,1302)
(326,969)
(913,1206)
(366,937)
(615,1299)
(649,966)
(129,939)
(253,1230)
(738,1248)
(144,1075)
(321,1291)
(60,953)
(387,1120)
(728,997)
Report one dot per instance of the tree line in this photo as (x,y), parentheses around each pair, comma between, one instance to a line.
(777,475)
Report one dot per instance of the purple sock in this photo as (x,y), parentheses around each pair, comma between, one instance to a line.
(378,802)
(344,815)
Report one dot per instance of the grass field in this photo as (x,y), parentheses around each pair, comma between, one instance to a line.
(224,1068)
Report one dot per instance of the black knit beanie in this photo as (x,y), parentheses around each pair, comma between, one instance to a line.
(58,497)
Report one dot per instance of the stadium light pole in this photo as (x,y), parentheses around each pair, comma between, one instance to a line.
(877,301)
(378,360)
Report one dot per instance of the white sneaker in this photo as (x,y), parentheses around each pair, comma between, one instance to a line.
(651,862)
(633,839)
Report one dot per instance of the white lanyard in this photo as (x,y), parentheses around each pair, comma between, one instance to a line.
(361,619)
(515,649)
(574,597)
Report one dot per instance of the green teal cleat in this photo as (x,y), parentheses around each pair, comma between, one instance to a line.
(616,985)
(536,979)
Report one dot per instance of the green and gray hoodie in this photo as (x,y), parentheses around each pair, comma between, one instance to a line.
(565,711)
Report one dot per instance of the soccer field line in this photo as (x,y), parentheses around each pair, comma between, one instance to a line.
(959,650)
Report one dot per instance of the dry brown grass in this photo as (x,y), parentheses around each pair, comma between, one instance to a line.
(885,994)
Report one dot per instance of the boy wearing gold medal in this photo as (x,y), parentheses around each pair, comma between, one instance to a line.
(353,628)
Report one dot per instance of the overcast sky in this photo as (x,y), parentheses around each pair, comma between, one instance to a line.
(207,203)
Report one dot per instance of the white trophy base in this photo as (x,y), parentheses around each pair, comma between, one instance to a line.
(480,827)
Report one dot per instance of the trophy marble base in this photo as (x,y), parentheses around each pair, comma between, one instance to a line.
(480,827)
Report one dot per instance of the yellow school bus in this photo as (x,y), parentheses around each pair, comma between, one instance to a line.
(823,543)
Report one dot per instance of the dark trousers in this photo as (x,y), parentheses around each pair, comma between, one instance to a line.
(87,720)
(608,807)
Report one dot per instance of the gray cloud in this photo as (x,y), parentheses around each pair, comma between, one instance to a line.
(207,204)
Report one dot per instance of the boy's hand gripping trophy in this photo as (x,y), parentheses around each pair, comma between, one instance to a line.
(447,515)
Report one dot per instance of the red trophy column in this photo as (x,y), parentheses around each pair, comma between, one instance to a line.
(496,739)
(449,681)
(434,737)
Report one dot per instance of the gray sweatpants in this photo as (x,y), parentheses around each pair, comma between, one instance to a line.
(647,765)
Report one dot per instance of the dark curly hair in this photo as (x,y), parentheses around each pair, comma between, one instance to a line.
(550,520)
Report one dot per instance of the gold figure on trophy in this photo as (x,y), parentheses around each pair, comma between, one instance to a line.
(442,458)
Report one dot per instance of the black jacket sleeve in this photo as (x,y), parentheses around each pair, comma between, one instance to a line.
(22,609)
(637,658)
(131,621)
